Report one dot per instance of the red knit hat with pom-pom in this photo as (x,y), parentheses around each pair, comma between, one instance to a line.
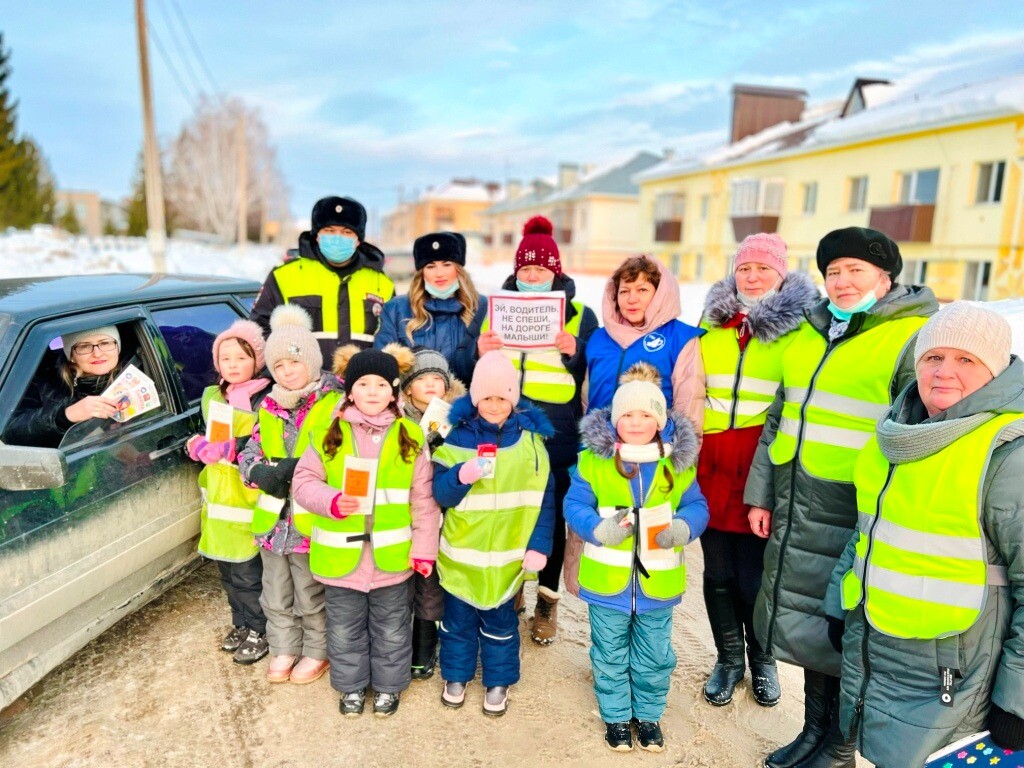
(538,246)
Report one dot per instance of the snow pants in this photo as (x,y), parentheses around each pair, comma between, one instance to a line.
(243,583)
(467,632)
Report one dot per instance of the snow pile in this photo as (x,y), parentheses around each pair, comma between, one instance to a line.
(44,250)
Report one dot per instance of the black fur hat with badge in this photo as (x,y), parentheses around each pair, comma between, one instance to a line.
(439,246)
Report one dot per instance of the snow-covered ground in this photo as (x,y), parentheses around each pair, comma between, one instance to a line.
(48,251)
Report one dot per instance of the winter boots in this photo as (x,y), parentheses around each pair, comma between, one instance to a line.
(764,675)
(545,617)
(424,648)
(820,744)
(728,634)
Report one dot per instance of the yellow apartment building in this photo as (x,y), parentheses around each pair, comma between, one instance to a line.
(935,163)
(594,212)
(454,206)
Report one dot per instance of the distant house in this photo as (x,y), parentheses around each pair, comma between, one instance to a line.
(595,213)
(933,161)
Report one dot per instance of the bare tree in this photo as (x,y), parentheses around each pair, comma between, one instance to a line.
(202,181)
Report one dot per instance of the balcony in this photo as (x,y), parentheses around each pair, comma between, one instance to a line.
(563,236)
(904,223)
(669,231)
(742,226)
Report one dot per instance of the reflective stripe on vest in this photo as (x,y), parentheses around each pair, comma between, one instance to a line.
(308,277)
(921,549)
(227,503)
(834,395)
(544,377)
(484,538)
(740,385)
(268,508)
(336,546)
(608,570)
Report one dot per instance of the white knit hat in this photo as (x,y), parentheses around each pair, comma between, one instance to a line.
(974,329)
(640,390)
(68,340)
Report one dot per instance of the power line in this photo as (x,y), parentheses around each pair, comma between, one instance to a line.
(176,40)
(195,49)
(170,66)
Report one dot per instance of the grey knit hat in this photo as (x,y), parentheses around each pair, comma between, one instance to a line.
(974,329)
(428,361)
(291,337)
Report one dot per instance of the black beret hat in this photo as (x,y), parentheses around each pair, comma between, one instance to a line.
(341,211)
(439,246)
(860,243)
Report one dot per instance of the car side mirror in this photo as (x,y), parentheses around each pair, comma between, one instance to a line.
(24,468)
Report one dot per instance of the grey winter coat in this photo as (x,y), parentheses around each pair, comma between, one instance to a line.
(900,720)
(813,518)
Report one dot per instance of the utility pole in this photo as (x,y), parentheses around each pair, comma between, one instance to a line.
(155,229)
(243,183)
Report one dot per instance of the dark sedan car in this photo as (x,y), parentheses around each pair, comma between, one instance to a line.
(92,529)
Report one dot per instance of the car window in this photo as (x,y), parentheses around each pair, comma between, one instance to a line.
(189,333)
(248,301)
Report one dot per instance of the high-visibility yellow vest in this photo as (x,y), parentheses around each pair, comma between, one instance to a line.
(920,547)
(226,514)
(607,570)
(268,508)
(336,546)
(308,277)
(835,394)
(543,376)
(741,385)
(484,538)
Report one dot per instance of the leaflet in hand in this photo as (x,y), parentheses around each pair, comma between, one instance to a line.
(360,482)
(219,419)
(654,520)
(435,417)
(134,392)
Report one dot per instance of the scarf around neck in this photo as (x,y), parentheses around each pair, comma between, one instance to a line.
(290,398)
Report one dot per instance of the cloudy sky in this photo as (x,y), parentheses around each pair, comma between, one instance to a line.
(361,97)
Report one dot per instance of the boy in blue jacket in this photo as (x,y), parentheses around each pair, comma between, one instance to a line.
(635,503)
(493,476)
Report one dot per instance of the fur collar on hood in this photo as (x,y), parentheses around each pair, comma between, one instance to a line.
(770,319)
(663,308)
(597,433)
(525,416)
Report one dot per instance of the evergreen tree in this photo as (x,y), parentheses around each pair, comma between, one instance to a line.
(136,203)
(68,221)
(26,185)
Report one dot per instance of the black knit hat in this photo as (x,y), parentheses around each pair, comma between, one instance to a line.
(341,211)
(860,243)
(372,362)
(439,246)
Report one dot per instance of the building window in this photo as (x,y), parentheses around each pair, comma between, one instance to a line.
(915,272)
(919,187)
(756,197)
(705,205)
(990,182)
(976,278)
(858,197)
(803,263)
(810,197)
(444,216)
(506,238)
(669,210)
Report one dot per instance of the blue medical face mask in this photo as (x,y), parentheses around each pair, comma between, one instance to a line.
(867,301)
(337,249)
(534,287)
(441,293)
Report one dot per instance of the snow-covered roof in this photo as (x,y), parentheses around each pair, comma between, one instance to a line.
(960,92)
(465,191)
(615,178)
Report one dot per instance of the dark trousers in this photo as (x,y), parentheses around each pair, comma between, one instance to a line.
(549,576)
(369,638)
(467,631)
(734,556)
(244,584)
(428,597)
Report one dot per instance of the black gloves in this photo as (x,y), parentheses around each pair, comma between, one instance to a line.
(274,480)
(1007,730)
(836,627)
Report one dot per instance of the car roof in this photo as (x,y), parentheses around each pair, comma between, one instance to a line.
(30,297)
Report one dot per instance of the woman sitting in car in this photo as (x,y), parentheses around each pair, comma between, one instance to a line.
(91,363)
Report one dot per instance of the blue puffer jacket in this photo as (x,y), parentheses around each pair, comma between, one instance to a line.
(446,333)
(469,430)
(581,503)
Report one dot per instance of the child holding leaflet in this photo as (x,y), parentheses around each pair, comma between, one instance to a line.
(368,479)
(293,601)
(635,503)
(493,478)
(226,516)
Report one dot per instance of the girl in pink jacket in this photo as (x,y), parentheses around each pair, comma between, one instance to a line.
(369,479)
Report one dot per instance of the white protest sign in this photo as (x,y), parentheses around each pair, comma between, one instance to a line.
(527,321)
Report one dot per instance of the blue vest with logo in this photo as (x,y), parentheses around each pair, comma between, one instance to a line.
(607,361)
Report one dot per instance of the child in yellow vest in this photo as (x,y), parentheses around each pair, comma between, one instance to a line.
(368,480)
(227,504)
(292,599)
(634,501)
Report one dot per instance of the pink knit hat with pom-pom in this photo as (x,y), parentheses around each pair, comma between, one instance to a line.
(538,246)
(247,331)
